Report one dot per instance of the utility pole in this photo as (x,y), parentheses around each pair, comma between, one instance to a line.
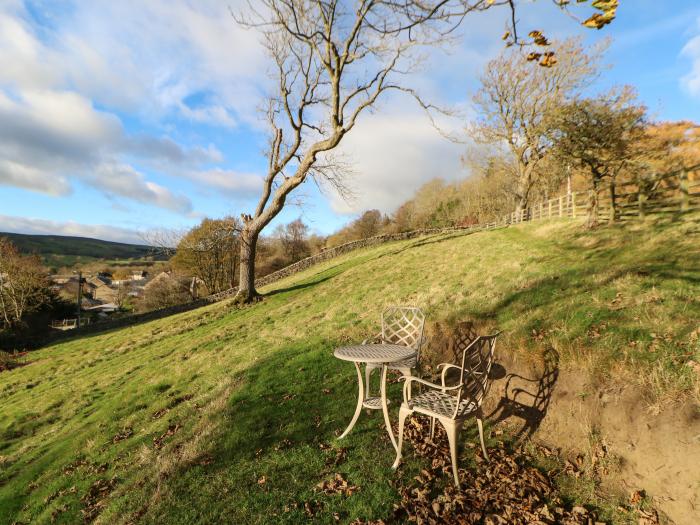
(80,295)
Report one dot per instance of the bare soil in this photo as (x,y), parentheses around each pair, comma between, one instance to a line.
(608,431)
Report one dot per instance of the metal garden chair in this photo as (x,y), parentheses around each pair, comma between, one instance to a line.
(401,325)
(452,405)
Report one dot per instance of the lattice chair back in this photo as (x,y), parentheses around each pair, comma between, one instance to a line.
(474,381)
(403,325)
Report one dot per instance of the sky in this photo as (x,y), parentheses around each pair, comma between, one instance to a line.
(120,118)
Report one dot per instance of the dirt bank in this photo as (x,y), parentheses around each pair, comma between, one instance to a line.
(610,429)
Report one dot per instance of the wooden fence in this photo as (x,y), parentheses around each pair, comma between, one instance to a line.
(569,205)
(674,193)
(69,324)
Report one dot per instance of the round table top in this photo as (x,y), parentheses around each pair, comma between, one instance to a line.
(376,353)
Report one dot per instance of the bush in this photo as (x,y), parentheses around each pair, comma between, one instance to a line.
(166,290)
(8,360)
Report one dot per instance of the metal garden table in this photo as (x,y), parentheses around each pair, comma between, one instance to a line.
(382,354)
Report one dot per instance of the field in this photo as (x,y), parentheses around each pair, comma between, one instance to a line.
(58,251)
(230,415)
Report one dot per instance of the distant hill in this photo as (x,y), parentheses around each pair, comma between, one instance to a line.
(60,245)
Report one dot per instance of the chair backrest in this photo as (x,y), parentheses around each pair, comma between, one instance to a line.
(477,360)
(403,325)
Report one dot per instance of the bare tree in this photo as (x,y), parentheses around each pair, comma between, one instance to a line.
(209,251)
(515,100)
(165,290)
(294,239)
(333,60)
(24,284)
(121,294)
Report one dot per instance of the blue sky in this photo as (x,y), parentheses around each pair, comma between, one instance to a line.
(123,117)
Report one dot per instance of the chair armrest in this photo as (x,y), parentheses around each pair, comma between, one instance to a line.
(410,379)
(447,366)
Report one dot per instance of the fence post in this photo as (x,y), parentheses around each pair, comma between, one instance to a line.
(641,198)
(561,205)
(550,208)
(573,205)
(683,186)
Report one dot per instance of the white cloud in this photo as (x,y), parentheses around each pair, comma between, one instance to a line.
(49,137)
(691,81)
(145,58)
(34,226)
(209,114)
(150,56)
(41,126)
(166,152)
(393,154)
(27,177)
(229,181)
(23,57)
(125,181)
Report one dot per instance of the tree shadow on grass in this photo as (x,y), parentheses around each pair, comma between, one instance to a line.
(580,280)
(301,286)
(341,267)
(277,441)
(427,240)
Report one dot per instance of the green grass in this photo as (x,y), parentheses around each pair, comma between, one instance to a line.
(65,251)
(67,245)
(182,417)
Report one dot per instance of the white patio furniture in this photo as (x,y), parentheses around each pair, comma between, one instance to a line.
(452,405)
(379,355)
(401,325)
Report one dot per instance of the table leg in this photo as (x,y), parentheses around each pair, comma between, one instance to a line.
(360,400)
(385,408)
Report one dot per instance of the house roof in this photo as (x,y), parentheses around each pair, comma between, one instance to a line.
(96,282)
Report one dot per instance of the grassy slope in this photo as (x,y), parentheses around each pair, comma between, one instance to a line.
(61,417)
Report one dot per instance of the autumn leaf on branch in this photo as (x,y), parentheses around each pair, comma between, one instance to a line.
(598,21)
(608,10)
(538,38)
(548,59)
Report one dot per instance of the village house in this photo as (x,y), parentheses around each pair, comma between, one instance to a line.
(97,288)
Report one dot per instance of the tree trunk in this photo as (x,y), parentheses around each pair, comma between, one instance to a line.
(523,188)
(613,203)
(246,277)
(593,206)
(521,197)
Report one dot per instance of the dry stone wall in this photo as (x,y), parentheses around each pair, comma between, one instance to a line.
(563,206)
(331,253)
(287,271)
